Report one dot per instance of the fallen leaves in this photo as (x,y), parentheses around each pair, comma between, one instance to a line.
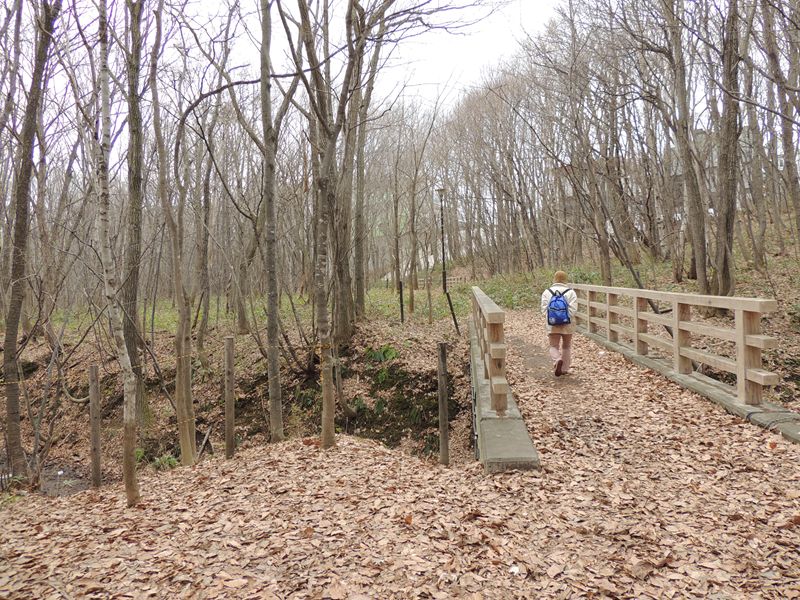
(648,491)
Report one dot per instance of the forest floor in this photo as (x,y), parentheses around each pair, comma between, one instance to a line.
(646,490)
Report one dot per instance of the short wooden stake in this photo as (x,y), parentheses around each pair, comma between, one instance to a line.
(94,424)
(444,421)
(230,408)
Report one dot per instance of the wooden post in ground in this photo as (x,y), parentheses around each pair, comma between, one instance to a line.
(230,408)
(402,308)
(94,424)
(444,419)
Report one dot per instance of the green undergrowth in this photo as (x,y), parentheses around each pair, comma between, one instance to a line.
(402,405)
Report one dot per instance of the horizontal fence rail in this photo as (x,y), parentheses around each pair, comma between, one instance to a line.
(627,317)
(434,281)
(488,319)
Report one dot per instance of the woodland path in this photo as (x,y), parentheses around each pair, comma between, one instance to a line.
(639,464)
(646,490)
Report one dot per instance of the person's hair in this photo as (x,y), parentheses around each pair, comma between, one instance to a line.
(560,277)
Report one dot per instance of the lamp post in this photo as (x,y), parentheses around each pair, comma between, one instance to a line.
(440,192)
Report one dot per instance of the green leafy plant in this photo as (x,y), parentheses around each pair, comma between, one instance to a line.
(382,375)
(139,454)
(380,406)
(583,275)
(359,404)
(165,462)
(383,354)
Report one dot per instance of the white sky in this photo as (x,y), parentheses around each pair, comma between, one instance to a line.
(450,63)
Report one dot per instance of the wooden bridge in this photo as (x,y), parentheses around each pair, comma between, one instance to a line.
(655,329)
(650,328)
(502,442)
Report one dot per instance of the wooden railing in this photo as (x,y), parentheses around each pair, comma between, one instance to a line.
(600,309)
(434,281)
(488,319)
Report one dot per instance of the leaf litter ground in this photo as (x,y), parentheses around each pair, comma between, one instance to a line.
(647,490)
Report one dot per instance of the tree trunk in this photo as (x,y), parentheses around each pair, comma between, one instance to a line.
(270,193)
(133,246)
(360,240)
(109,273)
(724,283)
(24,160)
(787,129)
(183,394)
(694,201)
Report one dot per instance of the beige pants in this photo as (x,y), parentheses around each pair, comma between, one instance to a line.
(561,349)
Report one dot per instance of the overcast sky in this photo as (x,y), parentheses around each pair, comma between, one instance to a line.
(451,63)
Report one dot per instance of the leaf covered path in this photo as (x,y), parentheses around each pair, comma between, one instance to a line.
(647,490)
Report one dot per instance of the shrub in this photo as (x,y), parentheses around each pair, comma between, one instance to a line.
(165,462)
(382,354)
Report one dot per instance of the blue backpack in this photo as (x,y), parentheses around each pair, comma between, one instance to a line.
(557,308)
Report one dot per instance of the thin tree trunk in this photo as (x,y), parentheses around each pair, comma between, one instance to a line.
(133,246)
(787,130)
(360,226)
(24,160)
(184,405)
(724,283)
(271,148)
(694,201)
(109,273)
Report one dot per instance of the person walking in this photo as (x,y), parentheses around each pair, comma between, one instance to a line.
(559,305)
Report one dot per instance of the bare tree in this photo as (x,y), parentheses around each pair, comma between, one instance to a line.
(24,159)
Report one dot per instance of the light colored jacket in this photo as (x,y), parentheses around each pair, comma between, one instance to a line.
(572,301)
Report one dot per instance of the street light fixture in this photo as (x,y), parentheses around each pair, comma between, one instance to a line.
(440,192)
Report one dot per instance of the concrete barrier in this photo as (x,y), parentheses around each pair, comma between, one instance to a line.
(502,442)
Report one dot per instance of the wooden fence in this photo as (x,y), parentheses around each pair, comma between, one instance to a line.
(452,280)
(605,308)
(488,319)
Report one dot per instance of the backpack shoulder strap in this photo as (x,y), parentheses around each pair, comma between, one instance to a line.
(554,293)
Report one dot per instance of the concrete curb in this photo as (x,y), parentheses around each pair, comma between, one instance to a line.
(503,442)
(772,417)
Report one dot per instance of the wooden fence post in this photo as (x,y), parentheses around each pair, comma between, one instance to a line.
(94,424)
(591,297)
(444,421)
(496,366)
(639,325)
(612,318)
(680,337)
(230,407)
(747,357)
